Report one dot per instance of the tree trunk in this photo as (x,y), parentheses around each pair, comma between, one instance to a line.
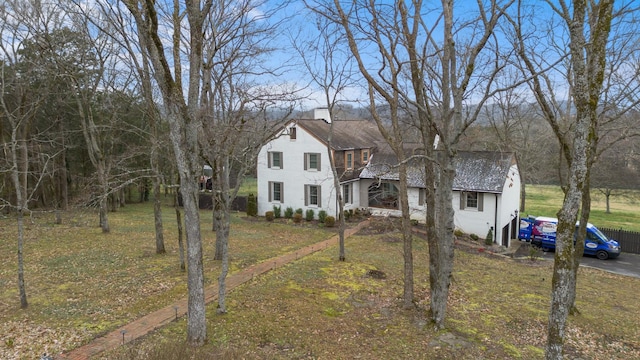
(407,238)
(222,237)
(21,286)
(196,313)
(104,217)
(179,223)
(157,216)
(441,257)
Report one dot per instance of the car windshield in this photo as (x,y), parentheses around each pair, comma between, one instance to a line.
(600,234)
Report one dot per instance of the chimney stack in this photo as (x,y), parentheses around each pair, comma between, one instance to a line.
(322,114)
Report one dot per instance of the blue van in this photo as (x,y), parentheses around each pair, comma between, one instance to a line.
(526,226)
(543,234)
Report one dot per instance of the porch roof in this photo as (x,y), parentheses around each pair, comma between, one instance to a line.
(483,171)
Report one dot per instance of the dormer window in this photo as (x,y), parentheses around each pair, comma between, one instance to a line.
(348,160)
(365,156)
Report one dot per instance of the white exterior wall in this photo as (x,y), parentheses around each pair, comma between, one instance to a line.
(417,212)
(510,203)
(293,176)
(472,221)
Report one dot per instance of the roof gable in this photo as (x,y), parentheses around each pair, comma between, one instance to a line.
(347,134)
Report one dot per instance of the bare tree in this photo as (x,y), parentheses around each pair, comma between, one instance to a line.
(330,69)
(235,98)
(23,87)
(114,23)
(577,64)
(418,71)
(184,114)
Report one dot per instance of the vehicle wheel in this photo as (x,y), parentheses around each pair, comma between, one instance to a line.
(602,255)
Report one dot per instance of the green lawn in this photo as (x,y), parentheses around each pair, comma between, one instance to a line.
(544,200)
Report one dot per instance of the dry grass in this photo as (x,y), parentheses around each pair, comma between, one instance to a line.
(82,283)
(319,308)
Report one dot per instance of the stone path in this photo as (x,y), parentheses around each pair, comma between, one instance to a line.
(159,318)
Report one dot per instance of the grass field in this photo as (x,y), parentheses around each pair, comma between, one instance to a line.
(82,283)
(542,200)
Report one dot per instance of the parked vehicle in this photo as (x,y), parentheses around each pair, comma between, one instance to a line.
(543,234)
(526,226)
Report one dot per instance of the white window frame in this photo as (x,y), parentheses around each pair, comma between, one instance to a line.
(347,193)
(307,161)
(272,191)
(308,195)
(271,155)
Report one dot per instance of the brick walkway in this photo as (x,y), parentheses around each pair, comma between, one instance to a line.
(159,318)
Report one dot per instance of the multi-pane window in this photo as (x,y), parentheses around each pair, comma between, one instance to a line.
(274,159)
(312,195)
(292,133)
(346,193)
(365,156)
(276,191)
(348,159)
(472,199)
(312,161)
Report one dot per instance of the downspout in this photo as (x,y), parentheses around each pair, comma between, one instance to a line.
(495,221)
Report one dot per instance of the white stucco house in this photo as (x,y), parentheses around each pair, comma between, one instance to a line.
(293,170)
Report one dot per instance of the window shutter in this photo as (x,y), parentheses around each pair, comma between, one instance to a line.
(281,160)
(270,191)
(421,196)
(306,161)
(306,195)
(269,161)
(281,192)
(480,201)
(318,157)
(319,196)
(463,200)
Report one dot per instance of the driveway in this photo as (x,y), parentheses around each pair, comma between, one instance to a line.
(625,264)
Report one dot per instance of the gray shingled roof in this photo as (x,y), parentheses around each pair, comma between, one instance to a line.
(484,171)
(347,134)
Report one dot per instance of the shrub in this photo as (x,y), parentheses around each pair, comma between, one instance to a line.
(474,237)
(329,221)
(288,212)
(414,222)
(252,205)
(458,232)
(309,214)
(277,211)
(299,211)
(297,218)
(348,214)
(534,253)
(322,216)
(269,215)
(489,239)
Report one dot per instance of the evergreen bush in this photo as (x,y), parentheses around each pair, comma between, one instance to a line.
(269,215)
(288,212)
(489,239)
(252,205)
(309,214)
(330,221)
